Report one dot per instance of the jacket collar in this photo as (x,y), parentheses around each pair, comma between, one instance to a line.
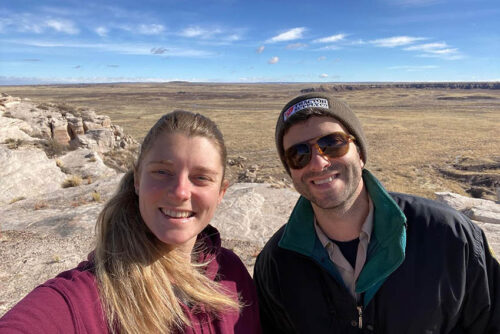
(388,240)
(209,243)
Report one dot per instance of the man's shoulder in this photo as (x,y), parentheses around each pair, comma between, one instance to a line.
(423,207)
(424,213)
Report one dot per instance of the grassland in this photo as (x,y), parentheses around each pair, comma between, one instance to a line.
(420,140)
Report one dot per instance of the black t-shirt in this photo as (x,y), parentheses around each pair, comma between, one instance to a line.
(349,249)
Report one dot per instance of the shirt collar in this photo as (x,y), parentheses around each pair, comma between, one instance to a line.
(366,228)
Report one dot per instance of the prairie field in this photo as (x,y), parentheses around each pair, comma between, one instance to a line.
(420,140)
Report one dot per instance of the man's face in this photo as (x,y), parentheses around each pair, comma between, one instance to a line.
(328,183)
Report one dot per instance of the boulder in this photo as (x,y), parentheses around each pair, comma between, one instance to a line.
(59,130)
(27,172)
(85,163)
(64,211)
(12,128)
(253,211)
(465,204)
(75,126)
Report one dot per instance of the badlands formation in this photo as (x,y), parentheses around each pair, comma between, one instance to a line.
(59,165)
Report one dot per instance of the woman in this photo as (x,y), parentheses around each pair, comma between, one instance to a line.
(158,266)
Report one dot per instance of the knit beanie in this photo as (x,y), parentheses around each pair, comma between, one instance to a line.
(318,104)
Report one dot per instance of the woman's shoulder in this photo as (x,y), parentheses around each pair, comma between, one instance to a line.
(67,303)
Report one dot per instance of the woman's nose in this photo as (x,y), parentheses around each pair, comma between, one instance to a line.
(181,188)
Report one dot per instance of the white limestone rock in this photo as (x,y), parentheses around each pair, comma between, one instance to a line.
(13,128)
(477,209)
(86,164)
(253,211)
(27,173)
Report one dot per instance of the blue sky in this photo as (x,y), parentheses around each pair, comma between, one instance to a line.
(244,41)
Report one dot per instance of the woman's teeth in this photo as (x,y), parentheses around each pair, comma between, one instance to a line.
(177,214)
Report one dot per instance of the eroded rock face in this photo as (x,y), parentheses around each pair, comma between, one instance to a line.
(80,128)
(34,144)
(483,212)
(85,163)
(27,173)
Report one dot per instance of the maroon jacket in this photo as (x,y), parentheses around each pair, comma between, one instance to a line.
(69,303)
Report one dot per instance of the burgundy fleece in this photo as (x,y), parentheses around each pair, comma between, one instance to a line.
(69,303)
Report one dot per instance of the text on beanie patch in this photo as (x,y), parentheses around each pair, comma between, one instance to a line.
(309,103)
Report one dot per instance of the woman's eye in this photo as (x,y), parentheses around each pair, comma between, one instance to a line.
(161,172)
(203,178)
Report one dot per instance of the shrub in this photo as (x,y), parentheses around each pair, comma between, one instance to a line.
(52,148)
(43,106)
(17,199)
(40,205)
(96,196)
(72,181)
(66,108)
(13,143)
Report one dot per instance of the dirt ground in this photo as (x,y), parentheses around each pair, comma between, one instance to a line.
(420,140)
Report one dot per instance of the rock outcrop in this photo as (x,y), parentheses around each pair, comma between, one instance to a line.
(65,125)
(485,213)
(45,147)
(46,227)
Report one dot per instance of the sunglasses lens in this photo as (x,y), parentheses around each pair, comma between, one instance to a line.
(334,145)
(298,155)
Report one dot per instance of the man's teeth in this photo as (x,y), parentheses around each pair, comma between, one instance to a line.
(330,179)
(177,214)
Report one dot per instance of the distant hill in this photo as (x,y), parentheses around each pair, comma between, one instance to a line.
(417,85)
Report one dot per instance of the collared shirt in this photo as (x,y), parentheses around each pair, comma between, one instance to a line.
(348,273)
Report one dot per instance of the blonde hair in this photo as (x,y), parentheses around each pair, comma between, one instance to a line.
(140,279)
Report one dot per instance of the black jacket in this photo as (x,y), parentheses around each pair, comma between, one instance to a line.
(429,270)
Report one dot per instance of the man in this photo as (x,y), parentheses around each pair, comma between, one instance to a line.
(355,259)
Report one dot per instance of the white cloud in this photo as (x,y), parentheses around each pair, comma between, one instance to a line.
(196,31)
(102,31)
(64,26)
(150,29)
(323,75)
(232,38)
(158,51)
(330,39)
(260,49)
(427,47)
(395,41)
(273,60)
(289,35)
(330,47)
(414,3)
(295,46)
(136,49)
(436,50)
(413,68)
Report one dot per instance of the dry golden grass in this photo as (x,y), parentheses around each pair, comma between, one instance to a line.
(420,140)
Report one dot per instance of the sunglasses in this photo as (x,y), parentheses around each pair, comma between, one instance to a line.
(334,145)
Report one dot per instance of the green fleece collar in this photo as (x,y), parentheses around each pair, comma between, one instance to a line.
(388,241)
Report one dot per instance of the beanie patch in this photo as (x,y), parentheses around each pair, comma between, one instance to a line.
(309,103)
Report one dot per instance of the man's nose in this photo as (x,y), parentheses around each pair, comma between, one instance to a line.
(319,160)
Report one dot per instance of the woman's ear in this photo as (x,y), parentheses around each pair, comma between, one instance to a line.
(222,191)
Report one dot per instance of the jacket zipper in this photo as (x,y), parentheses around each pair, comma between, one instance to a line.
(360,316)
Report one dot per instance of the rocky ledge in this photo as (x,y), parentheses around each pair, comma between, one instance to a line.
(58,166)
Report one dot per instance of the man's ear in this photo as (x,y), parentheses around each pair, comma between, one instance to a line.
(222,191)
(362,163)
